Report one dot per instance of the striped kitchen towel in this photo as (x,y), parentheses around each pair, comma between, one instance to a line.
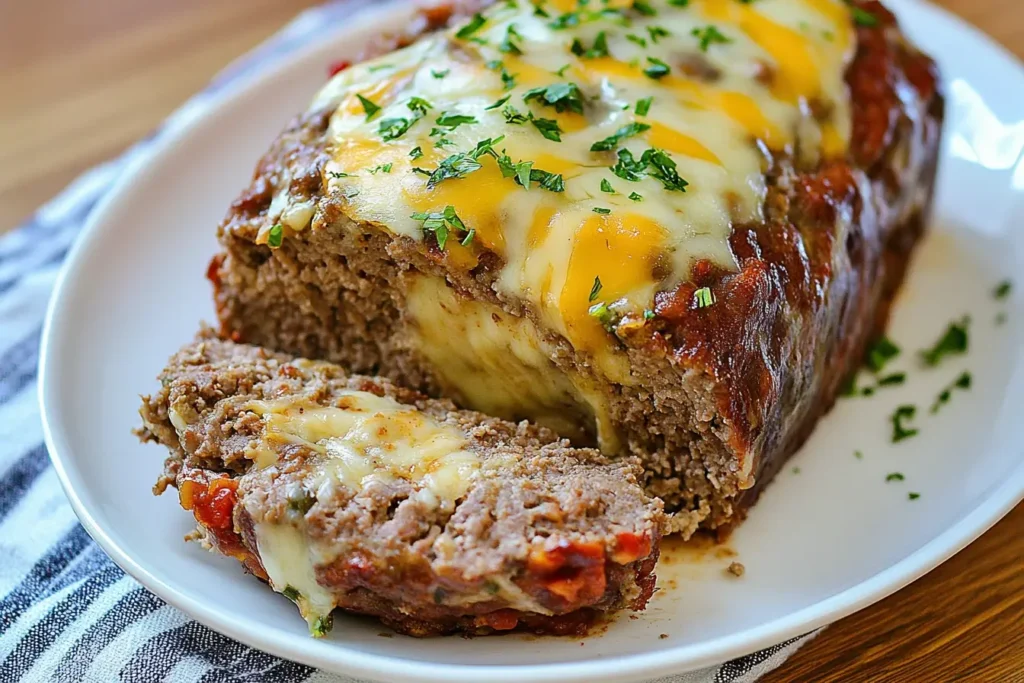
(67,613)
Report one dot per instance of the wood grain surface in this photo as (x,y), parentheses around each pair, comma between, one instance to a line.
(80,81)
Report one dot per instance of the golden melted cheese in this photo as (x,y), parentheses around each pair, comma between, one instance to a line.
(774,78)
(366,438)
(502,366)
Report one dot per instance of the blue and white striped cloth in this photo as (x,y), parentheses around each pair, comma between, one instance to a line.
(67,613)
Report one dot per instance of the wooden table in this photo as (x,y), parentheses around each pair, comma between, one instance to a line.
(82,80)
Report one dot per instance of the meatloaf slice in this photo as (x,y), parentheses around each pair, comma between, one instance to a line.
(347,491)
(675,247)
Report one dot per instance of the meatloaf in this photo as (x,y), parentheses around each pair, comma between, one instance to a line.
(347,491)
(666,229)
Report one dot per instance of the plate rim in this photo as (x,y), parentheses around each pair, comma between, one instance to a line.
(337,656)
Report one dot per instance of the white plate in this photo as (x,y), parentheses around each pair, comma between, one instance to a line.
(820,544)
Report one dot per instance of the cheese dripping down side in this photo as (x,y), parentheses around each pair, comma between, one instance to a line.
(359,441)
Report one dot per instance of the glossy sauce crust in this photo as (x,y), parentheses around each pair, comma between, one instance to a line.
(799,298)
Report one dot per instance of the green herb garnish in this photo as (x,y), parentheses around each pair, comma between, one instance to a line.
(508,44)
(596,289)
(561,96)
(370,107)
(894,476)
(880,353)
(901,431)
(1003,289)
(703,297)
(913,495)
(952,342)
(962,382)
(708,36)
(613,140)
(322,626)
(656,69)
(601,210)
(415,152)
(275,236)
(607,186)
(453,121)
(440,74)
(291,592)
(471,27)
(549,128)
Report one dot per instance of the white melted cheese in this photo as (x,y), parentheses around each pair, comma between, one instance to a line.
(365,438)
(774,79)
(289,563)
(502,365)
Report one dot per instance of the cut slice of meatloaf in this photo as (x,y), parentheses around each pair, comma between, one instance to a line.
(349,492)
(676,248)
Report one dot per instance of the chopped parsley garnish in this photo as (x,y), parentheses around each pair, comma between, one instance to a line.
(385,168)
(894,379)
(415,152)
(663,168)
(508,80)
(498,103)
(566,20)
(709,35)
(656,32)
(636,197)
(418,105)
(275,236)
(644,8)
(442,223)
(657,68)
(508,44)
(600,48)
(523,173)
(392,129)
(370,107)
(561,71)
(962,382)
(704,297)
(613,140)
(1003,289)
(456,166)
(607,186)
(602,314)
(596,289)
(679,3)
(472,26)
(339,174)
(322,626)
(953,342)
(880,353)
(901,431)
(648,314)
(453,121)
(858,455)
(895,476)
(634,38)
(913,495)
(601,210)
(549,128)
(561,96)
(514,116)
(862,17)
(291,592)
(440,74)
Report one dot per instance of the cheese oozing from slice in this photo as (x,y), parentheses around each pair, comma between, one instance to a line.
(364,438)
(600,149)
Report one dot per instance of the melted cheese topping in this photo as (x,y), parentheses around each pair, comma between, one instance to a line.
(366,438)
(289,562)
(771,73)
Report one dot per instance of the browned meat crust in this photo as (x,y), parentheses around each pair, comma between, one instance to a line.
(550,538)
(739,384)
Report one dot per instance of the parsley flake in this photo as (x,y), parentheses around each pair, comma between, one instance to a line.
(472,26)
(275,236)
(709,35)
(291,592)
(596,289)
(613,140)
(322,626)
(953,342)
(607,186)
(370,107)
(894,476)
(561,96)
(657,69)
(1003,289)
(704,297)
(508,44)
(453,121)
(913,495)
(901,431)
(880,353)
(601,210)
(549,128)
(440,74)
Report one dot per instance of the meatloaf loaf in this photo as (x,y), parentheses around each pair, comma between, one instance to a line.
(668,229)
(346,491)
